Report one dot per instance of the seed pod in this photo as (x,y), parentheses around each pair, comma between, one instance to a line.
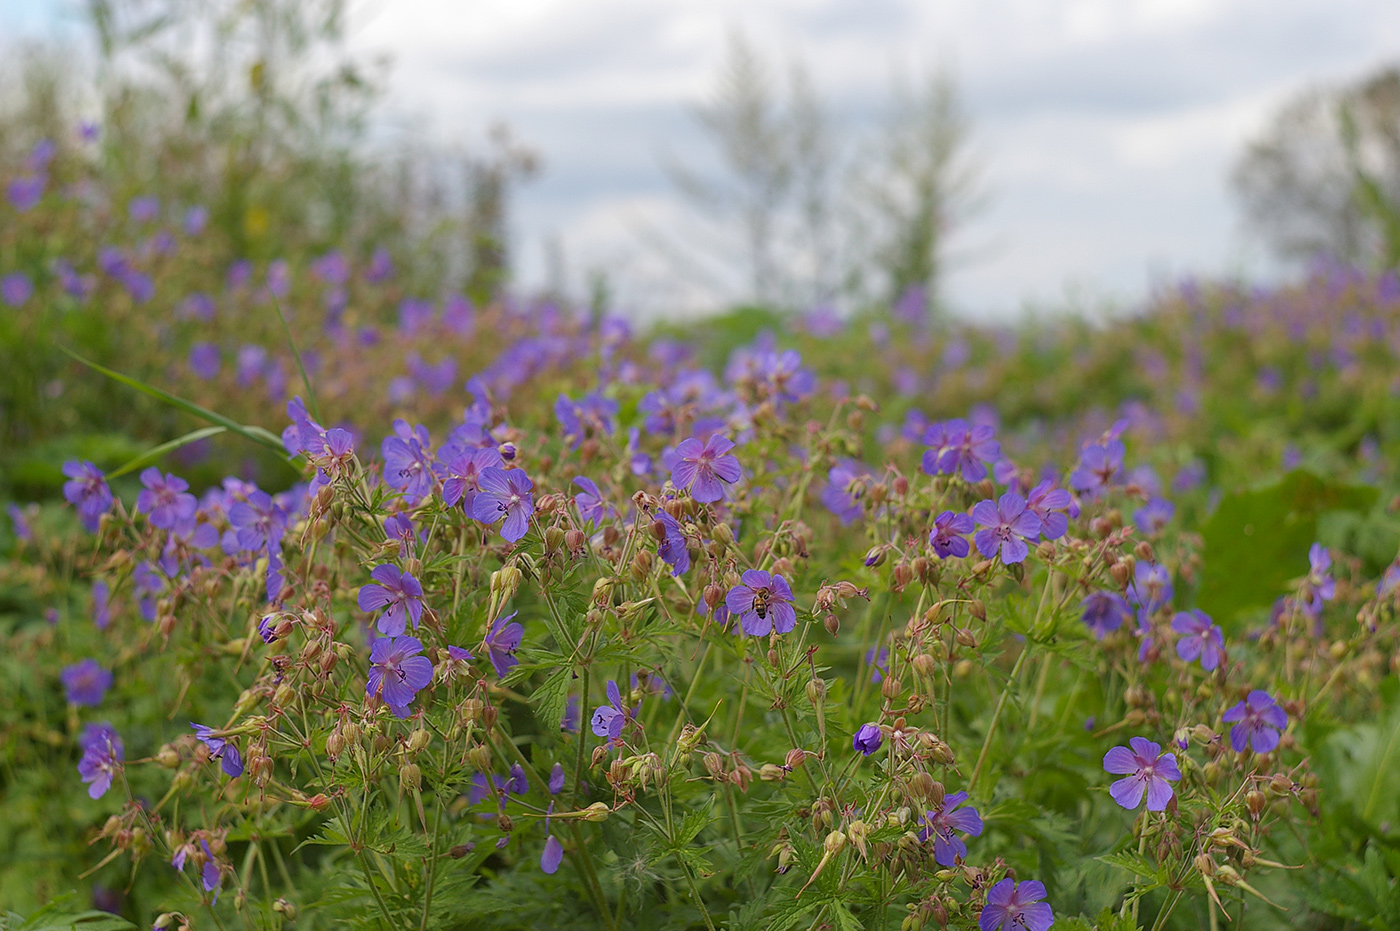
(1254,800)
(925,665)
(284,696)
(504,823)
(835,842)
(901,485)
(772,657)
(553,539)
(418,741)
(459,851)
(978,609)
(168,756)
(714,765)
(598,811)
(832,624)
(771,772)
(480,758)
(966,637)
(1144,551)
(816,691)
(795,758)
(890,688)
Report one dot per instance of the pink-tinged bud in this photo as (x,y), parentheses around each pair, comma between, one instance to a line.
(832,624)
(795,758)
(574,539)
(714,765)
(318,802)
(978,609)
(901,485)
(598,811)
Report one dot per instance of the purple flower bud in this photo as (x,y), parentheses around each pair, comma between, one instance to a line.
(868,739)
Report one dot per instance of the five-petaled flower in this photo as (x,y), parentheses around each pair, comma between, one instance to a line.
(1105,612)
(1258,720)
(763,603)
(703,469)
(1145,770)
(505,493)
(86,489)
(1007,526)
(220,749)
(1013,906)
(943,823)
(1200,638)
(946,537)
(86,682)
(166,500)
(400,592)
(397,672)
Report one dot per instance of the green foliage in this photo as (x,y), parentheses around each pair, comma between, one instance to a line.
(1258,539)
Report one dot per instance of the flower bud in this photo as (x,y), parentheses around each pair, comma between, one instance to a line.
(875,556)
(832,624)
(771,772)
(925,665)
(714,765)
(480,758)
(1144,552)
(168,756)
(890,688)
(901,485)
(795,758)
(816,691)
(418,741)
(505,582)
(286,909)
(1254,800)
(978,609)
(721,533)
(284,696)
(641,565)
(598,811)
(835,842)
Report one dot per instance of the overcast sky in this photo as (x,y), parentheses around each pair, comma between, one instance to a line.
(1107,127)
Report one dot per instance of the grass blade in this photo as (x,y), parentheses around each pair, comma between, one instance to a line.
(153,454)
(296,354)
(256,434)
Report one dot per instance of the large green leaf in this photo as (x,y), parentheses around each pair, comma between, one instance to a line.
(1258,539)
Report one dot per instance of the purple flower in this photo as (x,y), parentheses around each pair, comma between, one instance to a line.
(210,876)
(1099,466)
(702,468)
(87,491)
(86,682)
(1321,587)
(1200,638)
(1153,517)
(398,528)
(1105,612)
(102,756)
(1050,504)
(956,447)
(556,779)
(166,499)
(143,209)
(501,643)
(763,602)
(505,493)
(26,191)
(868,739)
(195,220)
(1260,719)
(942,823)
(101,609)
(381,266)
(220,749)
(397,590)
(407,465)
(609,720)
(460,470)
(845,486)
(570,721)
(1146,769)
(594,414)
(1013,906)
(258,522)
(1007,526)
(1151,586)
(16,289)
(672,549)
(23,529)
(591,506)
(946,536)
(397,672)
(553,853)
(204,360)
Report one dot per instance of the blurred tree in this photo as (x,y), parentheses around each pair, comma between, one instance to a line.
(815,214)
(915,187)
(1324,176)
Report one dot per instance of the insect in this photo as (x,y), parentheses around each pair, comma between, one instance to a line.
(760,602)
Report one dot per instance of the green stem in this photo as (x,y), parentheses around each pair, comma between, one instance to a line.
(996,718)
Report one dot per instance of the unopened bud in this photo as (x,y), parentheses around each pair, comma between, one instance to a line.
(418,741)
(284,696)
(832,624)
(286,909)
(598,811)
(1144,552)
(771,772)
(925,665)
(1254,800)
(890,687)
(795,758)
(168,756)
(978,609)
(816,691)
(505,582)
(835,842)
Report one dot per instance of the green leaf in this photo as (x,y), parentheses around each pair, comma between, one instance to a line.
(1257,540)
(552,698)
(154,454)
